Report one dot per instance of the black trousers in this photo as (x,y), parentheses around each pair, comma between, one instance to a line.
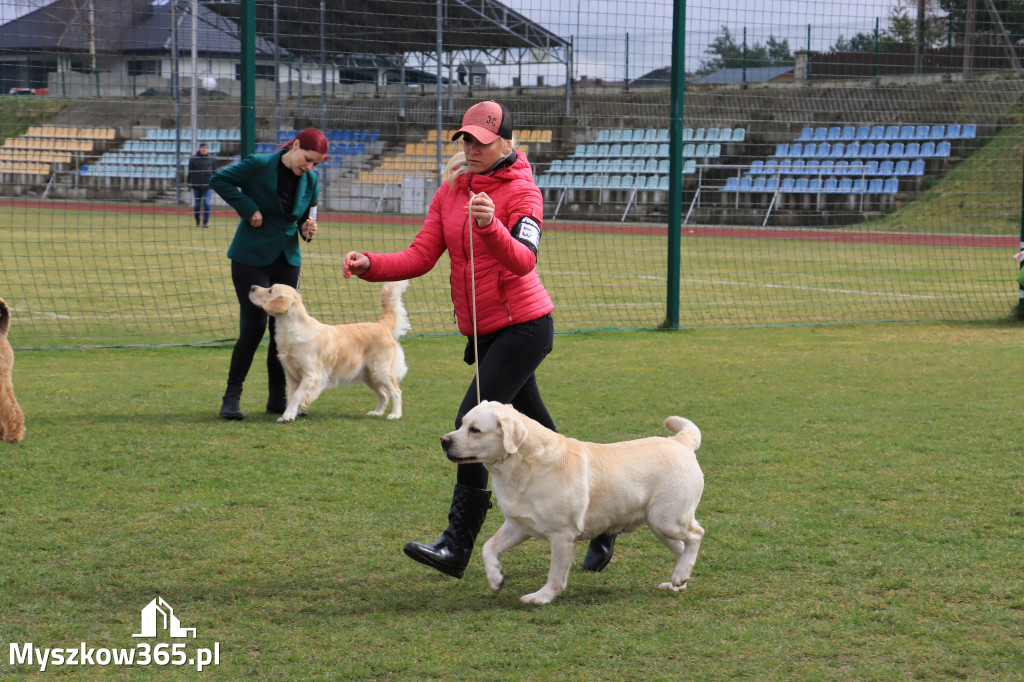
(508,361)
(254,321)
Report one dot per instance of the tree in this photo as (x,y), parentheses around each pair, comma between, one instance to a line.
(901,33)
(726,53)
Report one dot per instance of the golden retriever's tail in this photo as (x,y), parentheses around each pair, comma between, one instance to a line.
(685,431)
(5,318)
(393,314)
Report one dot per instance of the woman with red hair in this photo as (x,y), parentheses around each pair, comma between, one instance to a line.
(275,196)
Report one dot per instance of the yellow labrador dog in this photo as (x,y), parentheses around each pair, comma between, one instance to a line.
(564,490)
(317,356)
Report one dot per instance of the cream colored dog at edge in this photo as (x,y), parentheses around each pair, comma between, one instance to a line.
(317,356)
(565,490)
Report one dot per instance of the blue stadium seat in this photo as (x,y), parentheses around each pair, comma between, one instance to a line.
(812,167)
(892,133)
(689,149)
(824,150)
(820,134)
(877,133)
(838,150)
(886,167)
(609,135)
(772,184)
(842,167)
(882,150)
(953,131)
(859,186)
(814,185)
(603,149)
(874,186)
(798,167)
(614,150)
(830,185)
(871,167)
(650,135)
(746,183)
(702,150)
(781,150)
(663,166)
(785,166)
(661,150)
(712,134)
(698,135)
(714,150)
(907,133)
(849,134)
(770,166)
(663,135)
(913,150)
(759,185)
(796,149)
(687,134)
(917,167)
(852,150)
(689,167)
(928,149)
(835,133)
(968,132)
(801,184)
(891,186)
(898,150)
(787,184)
(867,150)
(827,167)
(902,167)
(921,133)
(943,149)
(845,186)
(806,135)
(739,134)
(938,132)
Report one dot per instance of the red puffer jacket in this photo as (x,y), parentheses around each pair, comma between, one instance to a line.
(508,289)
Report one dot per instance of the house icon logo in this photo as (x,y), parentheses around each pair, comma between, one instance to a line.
(159,613)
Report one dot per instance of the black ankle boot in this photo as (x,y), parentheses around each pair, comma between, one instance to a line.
(230,409)
(600,552)
(451,554)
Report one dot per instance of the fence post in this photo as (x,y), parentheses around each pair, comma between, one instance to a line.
(675,150)
(1019,312)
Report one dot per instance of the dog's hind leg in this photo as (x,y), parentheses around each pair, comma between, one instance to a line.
(507,537)
(685,551)
(563,553)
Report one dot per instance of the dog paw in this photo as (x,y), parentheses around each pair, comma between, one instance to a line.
(672,586)
(374,413)
(541,596)
(394,416)
(284,419)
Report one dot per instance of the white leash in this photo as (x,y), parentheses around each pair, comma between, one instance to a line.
(472,279)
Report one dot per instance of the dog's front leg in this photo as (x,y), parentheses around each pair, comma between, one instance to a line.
(563,552)
(507,537)
(296,398)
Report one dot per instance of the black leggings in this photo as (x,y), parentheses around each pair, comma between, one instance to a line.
(508,359)
(254,320)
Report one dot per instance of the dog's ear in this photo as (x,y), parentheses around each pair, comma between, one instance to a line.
(513,432)
(277,305)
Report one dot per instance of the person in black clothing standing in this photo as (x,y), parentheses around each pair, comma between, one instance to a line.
(200,168)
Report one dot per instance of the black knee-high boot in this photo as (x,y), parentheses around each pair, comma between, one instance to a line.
(451,554)
(229,406)
(600,552)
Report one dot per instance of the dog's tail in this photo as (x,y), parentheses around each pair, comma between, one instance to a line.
(393,314)
(685,431)
(5,317)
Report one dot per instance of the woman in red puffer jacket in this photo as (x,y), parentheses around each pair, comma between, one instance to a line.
(489,185)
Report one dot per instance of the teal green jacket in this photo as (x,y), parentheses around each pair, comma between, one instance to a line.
(250,186)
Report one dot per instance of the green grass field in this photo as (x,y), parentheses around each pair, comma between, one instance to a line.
(113,277)
(862,507)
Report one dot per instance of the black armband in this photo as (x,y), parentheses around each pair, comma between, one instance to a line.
(527,231)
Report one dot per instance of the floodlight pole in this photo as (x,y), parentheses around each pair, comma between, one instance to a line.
(675,177)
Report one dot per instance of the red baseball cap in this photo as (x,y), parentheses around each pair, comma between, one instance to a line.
(486,121)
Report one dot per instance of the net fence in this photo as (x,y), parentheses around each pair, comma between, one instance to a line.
(836,162)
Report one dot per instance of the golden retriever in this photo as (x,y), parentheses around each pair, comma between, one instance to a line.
(565,490)
(12,419)
(317,356)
